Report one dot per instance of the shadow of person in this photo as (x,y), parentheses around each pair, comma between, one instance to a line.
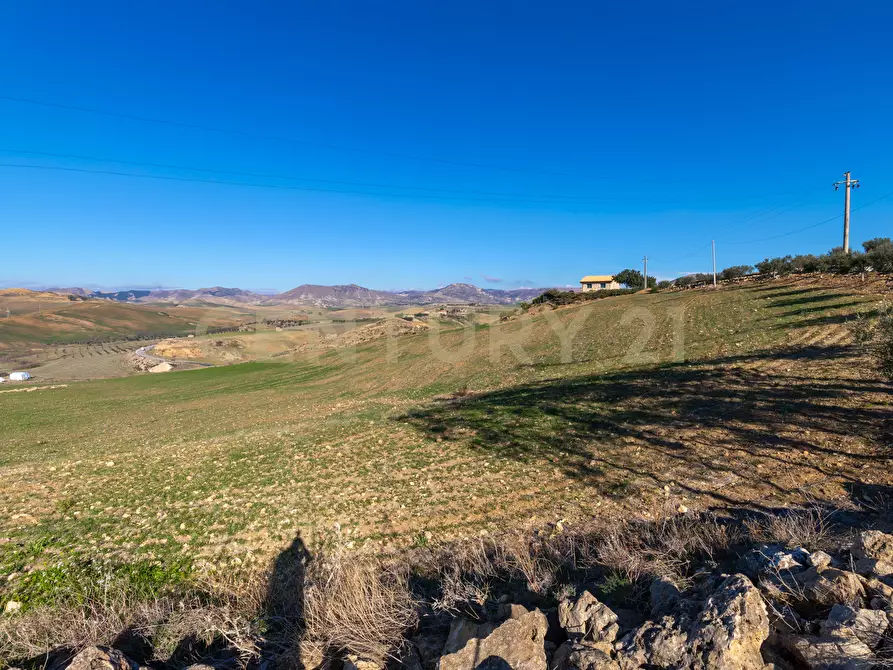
(284,605)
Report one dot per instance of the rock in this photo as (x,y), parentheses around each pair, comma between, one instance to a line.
(879,588)
(659,644)
(101,658)
(664,594)
(516,643)
(161,367)
(353,662)
(830,587)
(874,544)
(12,606)
(868,626)
(773,558)
(819,559)
(873,566)
(732,626)
(461,631)
(511,611)
(580,656)
(830,653)
(589,620)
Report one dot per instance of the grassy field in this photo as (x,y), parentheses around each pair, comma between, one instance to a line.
(747,396)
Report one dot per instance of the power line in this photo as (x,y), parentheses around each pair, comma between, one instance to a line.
(569,198)
(276,186)
(274,138)
(815,225)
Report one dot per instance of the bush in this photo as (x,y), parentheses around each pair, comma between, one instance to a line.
(690,280)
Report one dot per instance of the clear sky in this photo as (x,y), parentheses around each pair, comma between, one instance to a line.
(555,139)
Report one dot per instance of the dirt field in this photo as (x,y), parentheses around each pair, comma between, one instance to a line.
(748,396)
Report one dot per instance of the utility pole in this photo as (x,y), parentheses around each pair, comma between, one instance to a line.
(848,183)
(713,247)
(645,281)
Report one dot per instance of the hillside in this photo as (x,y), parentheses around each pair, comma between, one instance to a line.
(725,397)
(341,295)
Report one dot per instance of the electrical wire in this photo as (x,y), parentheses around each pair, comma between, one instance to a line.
(275,138)
(261,175)
(275,186)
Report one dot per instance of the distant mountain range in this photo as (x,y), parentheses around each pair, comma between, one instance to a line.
(342,295)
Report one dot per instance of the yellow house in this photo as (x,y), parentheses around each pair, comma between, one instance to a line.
(598,283)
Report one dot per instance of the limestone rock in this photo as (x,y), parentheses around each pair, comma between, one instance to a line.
(866,625)
(580,656)
(874,566)
(516,643)
(659,644)
(101,658)
(664,594)
(831,586)
(830,653)
(461,631)
(587,619)
(356,663)
(874,544)
(732,626)
(819,559)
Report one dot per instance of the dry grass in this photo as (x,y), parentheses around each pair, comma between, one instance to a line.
(360,606)
(666,546)
(808,526)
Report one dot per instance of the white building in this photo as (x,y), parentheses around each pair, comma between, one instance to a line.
(19,376)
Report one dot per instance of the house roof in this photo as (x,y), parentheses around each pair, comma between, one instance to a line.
(594,278)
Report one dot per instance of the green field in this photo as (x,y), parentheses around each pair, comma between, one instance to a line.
(735,397)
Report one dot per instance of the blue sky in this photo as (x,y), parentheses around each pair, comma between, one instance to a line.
(624,129)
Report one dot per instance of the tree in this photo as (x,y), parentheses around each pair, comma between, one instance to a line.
(736,271)
(634,279)
(629,278)
(879,254)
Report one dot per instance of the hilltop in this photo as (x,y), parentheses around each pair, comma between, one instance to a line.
(339,295)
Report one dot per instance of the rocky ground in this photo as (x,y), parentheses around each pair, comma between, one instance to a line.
(782,609)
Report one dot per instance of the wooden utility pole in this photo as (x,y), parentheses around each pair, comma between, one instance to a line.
(713,247)
(645,281)
(848,183)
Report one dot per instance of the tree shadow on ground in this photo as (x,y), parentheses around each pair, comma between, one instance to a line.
(730,429)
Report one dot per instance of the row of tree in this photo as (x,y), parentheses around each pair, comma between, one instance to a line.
(877,257)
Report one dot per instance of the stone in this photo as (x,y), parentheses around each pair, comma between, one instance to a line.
(819,559)
(659,644)
(873,566)
(731,627)
(587,619)
(353,662)
(879,588)
(580,656)
(518,644)
(868,626)
(874,544)
(664,594)
(830,587)
(511,611)
(101,658)
(12,606)
(161,367)
(773,558)
(830,653)
(461,631)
